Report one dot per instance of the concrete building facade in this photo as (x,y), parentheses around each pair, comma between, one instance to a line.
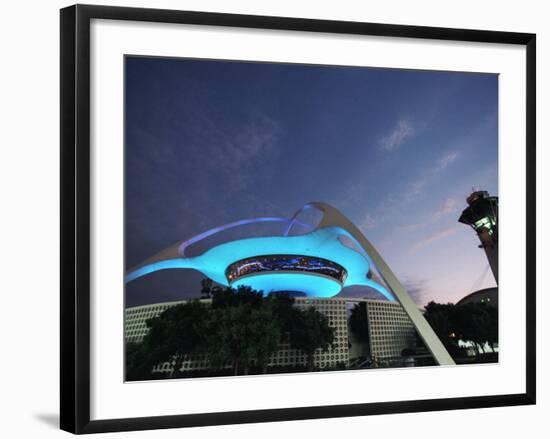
(390,331)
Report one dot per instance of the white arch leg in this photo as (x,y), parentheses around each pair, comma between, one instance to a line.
(333,217)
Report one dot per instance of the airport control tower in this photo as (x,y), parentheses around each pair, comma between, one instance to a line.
(482,215)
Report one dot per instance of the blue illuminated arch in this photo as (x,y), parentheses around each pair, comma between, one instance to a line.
(319,242)
(322,241)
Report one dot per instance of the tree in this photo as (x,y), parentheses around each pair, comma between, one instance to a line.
(473,322)
(283,309)
(240,327)
(245,327)
(138,366)
(310,331)
(207,288)
(440,318)
(242,334)
(358,322)
(493,326)
(176,333)
(229,297)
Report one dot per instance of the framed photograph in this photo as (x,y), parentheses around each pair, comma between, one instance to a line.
(304,218)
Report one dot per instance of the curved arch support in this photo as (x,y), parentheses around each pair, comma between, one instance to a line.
(166,264)
(294,219)
(175,257)
(333,217)
(197,238)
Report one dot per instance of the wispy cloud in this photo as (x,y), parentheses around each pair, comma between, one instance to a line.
(253,141)
(402,131)
(417,289)
(435,236)
(446,160)
(411,191)
(414,188)
(215,155)
(369,221)
(448,206)
(235,153)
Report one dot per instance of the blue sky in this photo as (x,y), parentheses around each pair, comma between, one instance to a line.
(397,151)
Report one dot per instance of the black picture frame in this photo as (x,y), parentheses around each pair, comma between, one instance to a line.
(75,217)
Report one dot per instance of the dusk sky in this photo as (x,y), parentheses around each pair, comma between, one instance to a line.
(397,151)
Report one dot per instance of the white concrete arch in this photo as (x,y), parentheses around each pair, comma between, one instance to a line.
(333,217)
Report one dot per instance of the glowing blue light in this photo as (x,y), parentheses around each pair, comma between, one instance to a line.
(157,266)
(310,285)
(321,243)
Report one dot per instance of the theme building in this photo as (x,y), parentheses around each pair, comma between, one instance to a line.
(318,263)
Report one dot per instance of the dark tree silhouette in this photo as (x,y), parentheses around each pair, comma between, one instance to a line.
(230,297)
(208,288)
(440,318)
(176,333)
(310,331)
(358,322)
(283,310)
(242,334)
(475,322)
(492,311)
(246,327)
(240,327)
(138,364)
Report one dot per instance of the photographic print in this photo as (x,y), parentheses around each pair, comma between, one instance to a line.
(294,218)
(252,204)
